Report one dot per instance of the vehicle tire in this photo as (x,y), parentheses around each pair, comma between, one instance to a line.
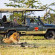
(50,35)
(10,33)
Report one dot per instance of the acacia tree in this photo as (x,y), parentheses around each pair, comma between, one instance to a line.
(23,3)
(30,4)
(48,8)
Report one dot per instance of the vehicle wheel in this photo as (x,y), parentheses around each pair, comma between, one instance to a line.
(50,35)
(10,33)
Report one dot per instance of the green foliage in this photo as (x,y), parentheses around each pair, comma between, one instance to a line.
(16,15)
(11,17)
(51,19)
(23,3)
(31,38)
(30,4)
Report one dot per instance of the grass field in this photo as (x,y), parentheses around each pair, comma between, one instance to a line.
(44,47)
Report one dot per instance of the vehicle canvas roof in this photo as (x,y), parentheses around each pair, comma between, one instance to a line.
(18,9)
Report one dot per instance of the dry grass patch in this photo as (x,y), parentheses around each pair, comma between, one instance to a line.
(27,51)
(43,49)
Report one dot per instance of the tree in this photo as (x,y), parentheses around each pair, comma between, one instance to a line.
(22,3)
(51,19)
(48,8)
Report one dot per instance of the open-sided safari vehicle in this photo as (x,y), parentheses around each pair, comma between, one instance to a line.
(27,23)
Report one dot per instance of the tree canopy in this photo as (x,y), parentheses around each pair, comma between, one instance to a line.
(22,3)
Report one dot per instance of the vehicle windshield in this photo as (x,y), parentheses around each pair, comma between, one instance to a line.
(31,14)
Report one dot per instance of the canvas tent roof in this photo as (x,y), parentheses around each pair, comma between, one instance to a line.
(18,9)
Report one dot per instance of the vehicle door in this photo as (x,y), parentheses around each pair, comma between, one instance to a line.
(35,25)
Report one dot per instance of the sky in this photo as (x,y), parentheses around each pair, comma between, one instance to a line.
(2,5)
(47,1)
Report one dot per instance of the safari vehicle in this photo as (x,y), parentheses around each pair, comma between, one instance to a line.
(31,25)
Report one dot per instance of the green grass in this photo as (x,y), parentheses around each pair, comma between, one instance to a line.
(32,37)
